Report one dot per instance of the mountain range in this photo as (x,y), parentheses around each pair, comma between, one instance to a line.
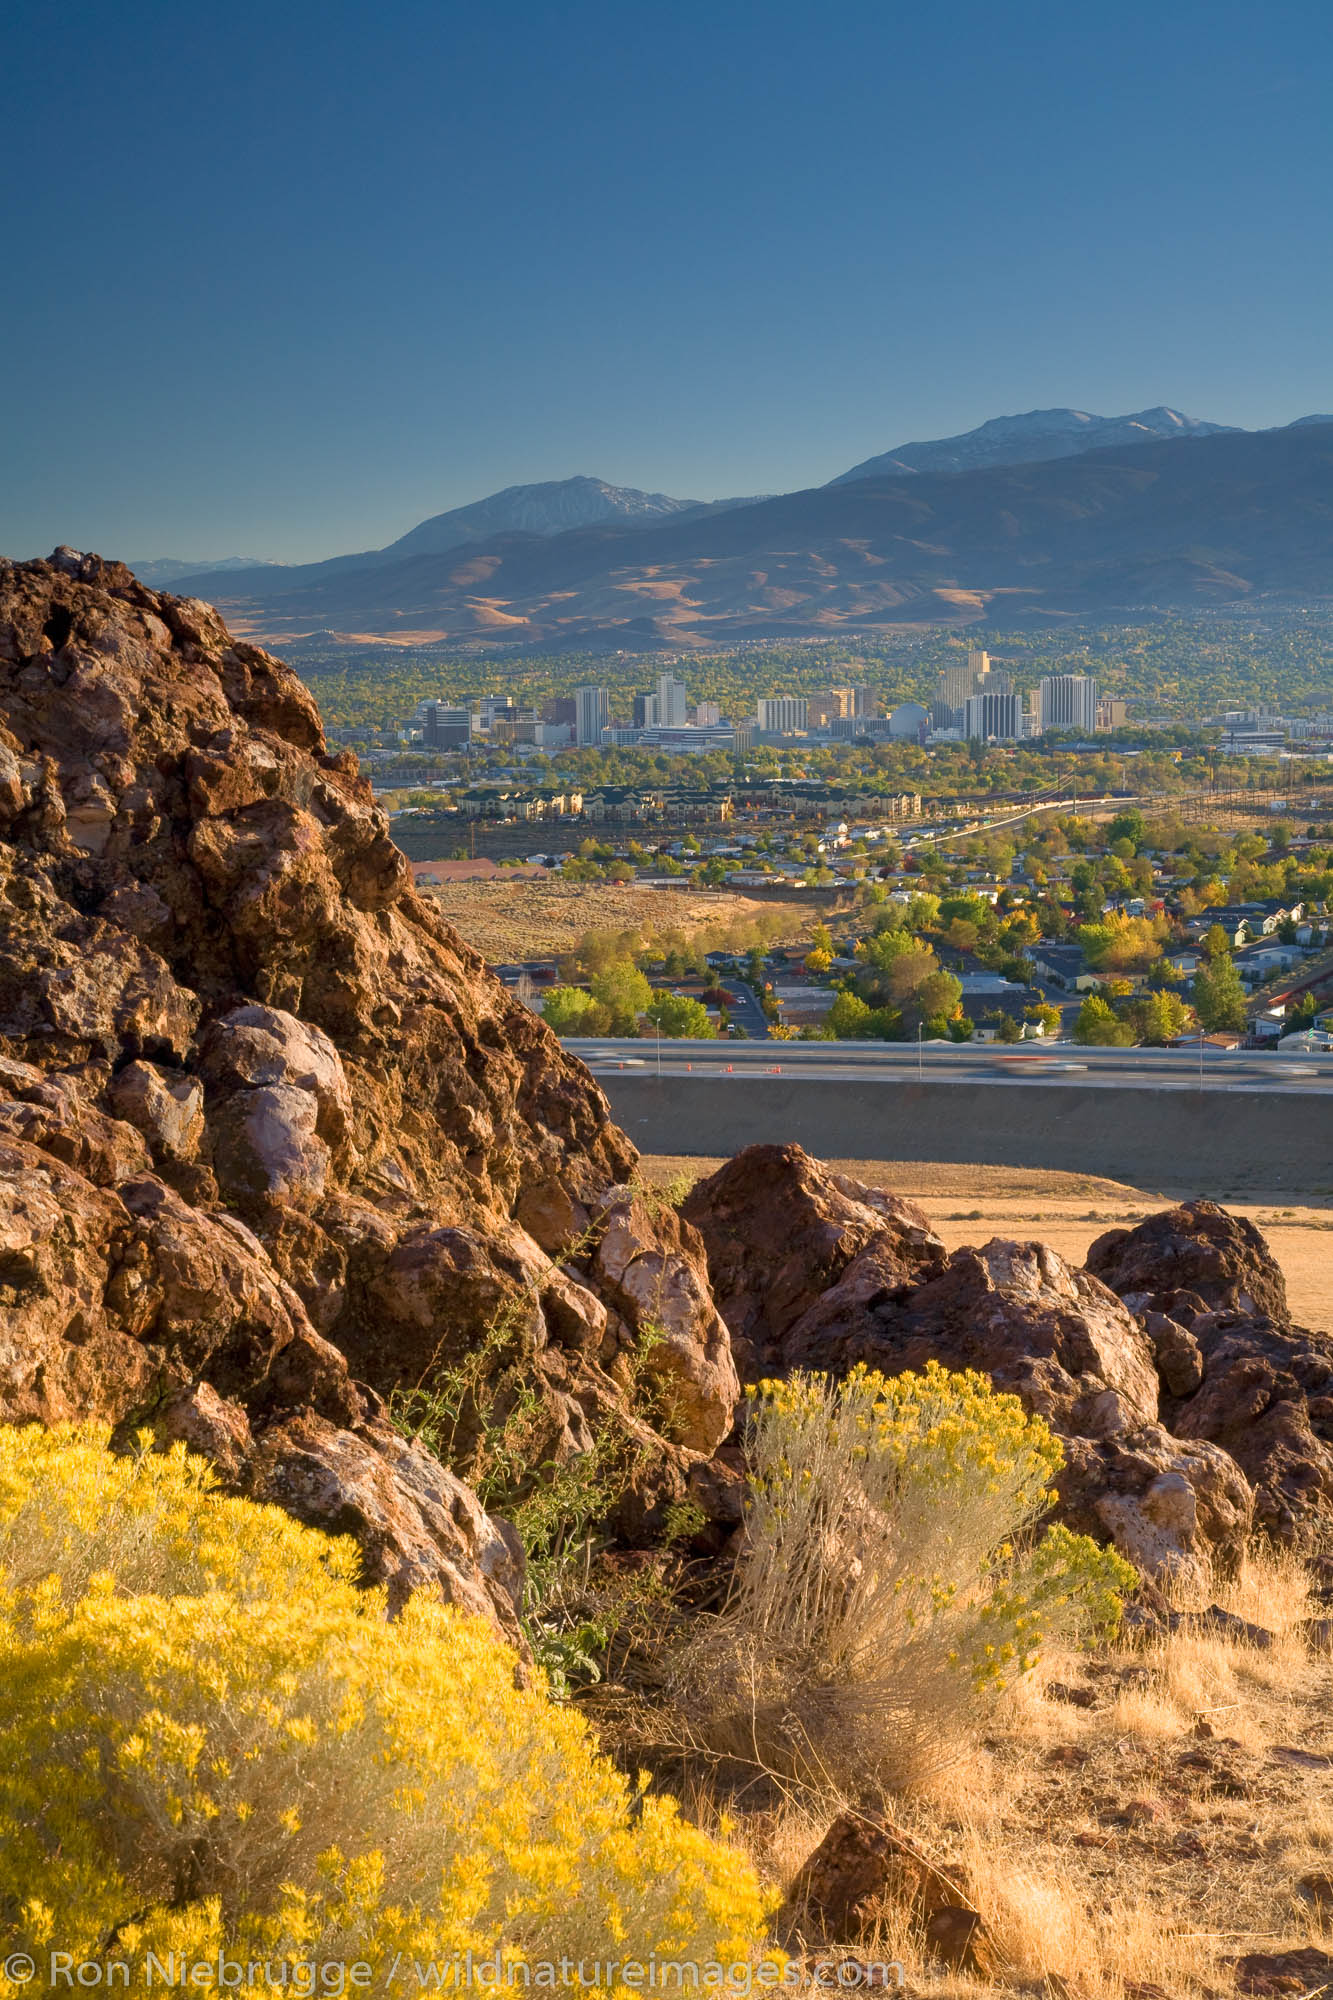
(1039,434)
(1050,513)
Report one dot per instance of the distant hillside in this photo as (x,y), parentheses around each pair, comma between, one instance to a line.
(1205,519)
(1025,440)
(551,507)
(545,509)
(165,572)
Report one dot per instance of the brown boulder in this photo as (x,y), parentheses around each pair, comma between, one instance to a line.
(1267,1399)
(1191,1256)
(1015,1311)
(1172,1507)
(650,1266)
(837,1894)
(780,1229)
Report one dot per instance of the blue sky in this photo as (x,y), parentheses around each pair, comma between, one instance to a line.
(284,278)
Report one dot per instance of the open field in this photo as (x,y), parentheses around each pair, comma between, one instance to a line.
(521,918)
(970,1204)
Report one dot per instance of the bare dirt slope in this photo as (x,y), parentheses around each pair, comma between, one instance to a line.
(969,1204)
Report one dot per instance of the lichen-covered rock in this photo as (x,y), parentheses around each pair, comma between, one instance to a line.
(1190,1258)
(649,1264)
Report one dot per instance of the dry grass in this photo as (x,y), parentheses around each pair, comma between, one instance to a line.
(1145,1840)
(520,918)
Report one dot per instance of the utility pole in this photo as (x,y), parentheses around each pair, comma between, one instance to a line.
(919,1057)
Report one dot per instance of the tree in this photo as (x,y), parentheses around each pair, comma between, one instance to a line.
(1048,1018)
(624,992)
(1098,1025)
(680,1018)
(1007,1029)
(571,1010)
(1127,825)
(1160,1018)
(1121,944)
(851,1020)
(1219,997)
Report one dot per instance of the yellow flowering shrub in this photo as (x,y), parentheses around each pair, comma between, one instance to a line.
(892,1572)
(212,1740)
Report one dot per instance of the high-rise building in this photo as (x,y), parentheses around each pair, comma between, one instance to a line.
(781,714)
(707,714)
(997,716)
(863,701)
(563,708)
(593,712)
(827,705)
(743,735)
(672,705)
(955,685)
(1069,701)
(645,711)
(979,664)
(1112,713)
(445,728)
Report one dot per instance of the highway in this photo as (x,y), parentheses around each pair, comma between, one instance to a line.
(985,1063)
(1241,1122)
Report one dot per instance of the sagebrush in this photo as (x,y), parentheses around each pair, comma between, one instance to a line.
(893,1575)
(210,1739)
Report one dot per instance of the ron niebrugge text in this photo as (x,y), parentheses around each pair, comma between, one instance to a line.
(317,1978)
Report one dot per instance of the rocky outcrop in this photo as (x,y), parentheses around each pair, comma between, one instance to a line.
(1266,1398)
(782,1232)
(1075,1355)
(1191,1259)
(1235,1372)
(860,1278)
(273,1144)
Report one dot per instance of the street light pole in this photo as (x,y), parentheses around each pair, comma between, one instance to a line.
(919,1071)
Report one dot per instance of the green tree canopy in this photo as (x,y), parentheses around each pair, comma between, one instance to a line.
(680,1018)
(1099,1026)
(1219,996)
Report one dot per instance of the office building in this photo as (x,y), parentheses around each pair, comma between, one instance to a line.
(1112,713)
(827,705)
(707,715)
(1069,701)
(993,717)
(645,711)
(593,706)
(782,715)
(445,728)
(672,706)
